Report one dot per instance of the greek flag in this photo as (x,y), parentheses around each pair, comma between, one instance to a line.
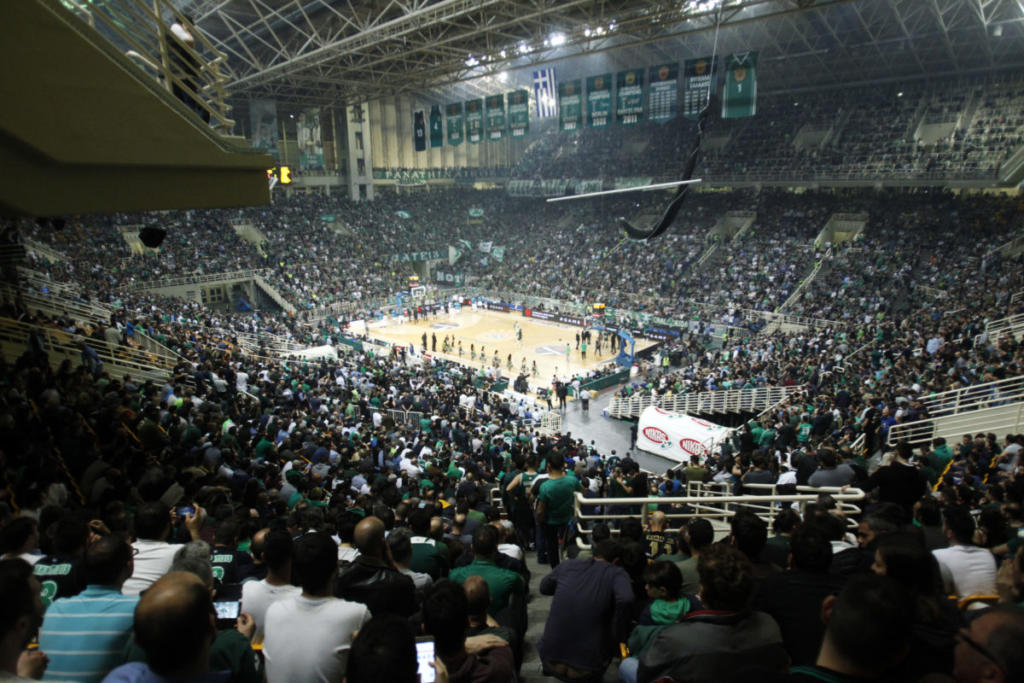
(545,92)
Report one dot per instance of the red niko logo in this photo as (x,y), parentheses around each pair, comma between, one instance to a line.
(656,435)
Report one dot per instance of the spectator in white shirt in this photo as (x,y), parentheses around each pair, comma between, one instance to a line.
(275,550)
(966,569)
(307,637)
(153,554)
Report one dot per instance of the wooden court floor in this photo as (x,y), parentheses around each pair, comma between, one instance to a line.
(543,343)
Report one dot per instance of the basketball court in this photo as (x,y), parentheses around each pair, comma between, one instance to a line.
(543,342)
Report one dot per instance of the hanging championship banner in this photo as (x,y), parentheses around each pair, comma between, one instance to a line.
(419,131)
(663,93)
(698,81)
(495,117)
(311,143)
(570,110)
(263,122)
(629,108)
(454,114)
(519,113)
(436,131)
(740,98)
(599,100)
(475,121)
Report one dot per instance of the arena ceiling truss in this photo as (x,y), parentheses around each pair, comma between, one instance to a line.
(306,52)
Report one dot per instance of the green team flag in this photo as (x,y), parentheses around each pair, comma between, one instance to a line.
(419,131)
(454,114)
(629,108)
(475,121)
(436,131)
(740,98)
(519,113)
(570,109)
(495,117)
(599,100)
(663,92)
(698,82)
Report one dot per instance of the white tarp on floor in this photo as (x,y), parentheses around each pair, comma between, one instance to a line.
(677,436)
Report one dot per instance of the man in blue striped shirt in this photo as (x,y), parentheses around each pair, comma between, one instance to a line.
(85,636)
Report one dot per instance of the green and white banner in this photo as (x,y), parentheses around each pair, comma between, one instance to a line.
(498,254)
(623,183)
(570,106)
(454,114)
(698,82)
(453,255)
(475,121)
(599,100)
(740,97)
(415,256)
(582,186)
(476,212)
(495,117)
(519,113)
(402,213)
(629,107)
(485,246)
(445,277)
(436,130)
(663,93)
(311,142)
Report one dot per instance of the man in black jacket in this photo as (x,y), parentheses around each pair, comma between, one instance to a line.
(372,578)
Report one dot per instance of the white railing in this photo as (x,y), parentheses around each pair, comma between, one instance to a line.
(714,502)
(789,319)
(199,279)
(798,292)
(62,345)
(706,402)
(44,251)
(998,419)
(987,395)
(272,292)
(1013,324)
(195,72)
(56,304)
(989,407)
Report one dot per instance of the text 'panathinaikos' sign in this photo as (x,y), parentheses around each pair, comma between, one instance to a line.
(415,256)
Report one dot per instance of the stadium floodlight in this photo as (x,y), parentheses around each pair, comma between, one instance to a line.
(472,61)
(556,39)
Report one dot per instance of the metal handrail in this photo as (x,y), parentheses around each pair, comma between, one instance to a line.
(138,29)
(724,401)
(709,506)
(143,364)
(205,278)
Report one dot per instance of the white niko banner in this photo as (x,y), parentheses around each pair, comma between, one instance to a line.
(678,436)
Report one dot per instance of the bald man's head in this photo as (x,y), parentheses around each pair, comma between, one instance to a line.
(369,537)
(478,595)
(174,624)
(658,521)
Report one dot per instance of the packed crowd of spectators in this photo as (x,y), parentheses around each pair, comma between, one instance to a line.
(354,496)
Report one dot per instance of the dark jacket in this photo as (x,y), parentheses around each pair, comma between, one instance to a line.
(382,588)
(714,646)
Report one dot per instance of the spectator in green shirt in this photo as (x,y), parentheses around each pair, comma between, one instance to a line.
(507,588)
(555,505)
